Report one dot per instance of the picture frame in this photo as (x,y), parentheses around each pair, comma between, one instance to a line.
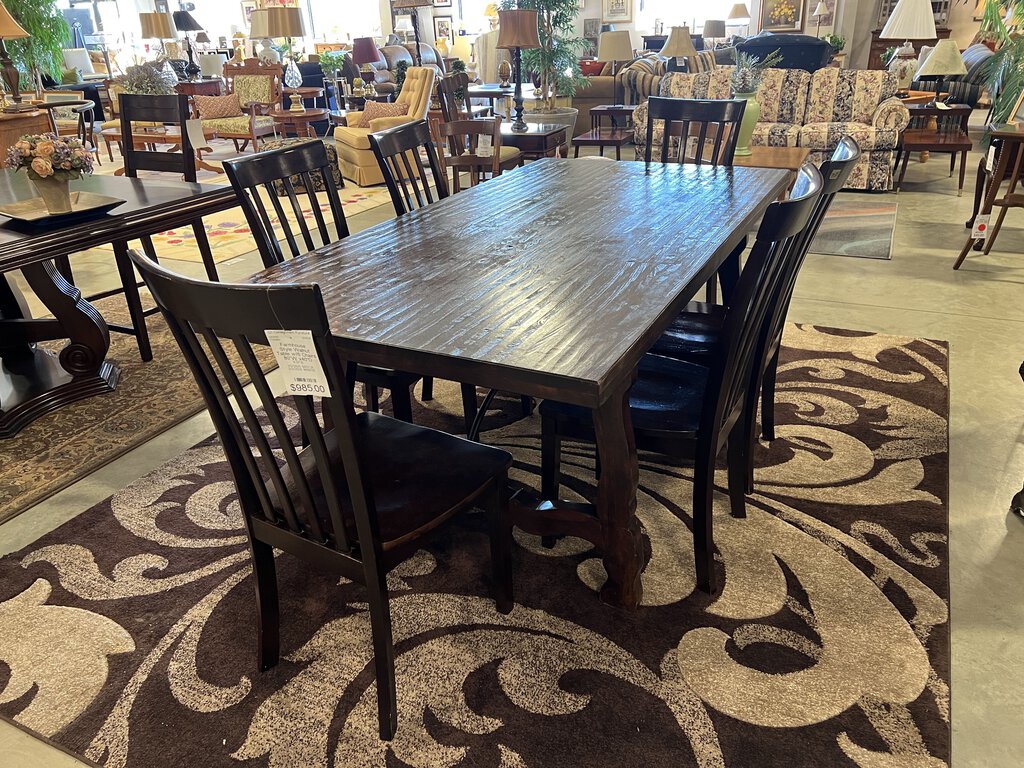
(160,6)
(616,11)
(591,27)
(442,27)
(248,6)
(442,3)
(782,16)
(1016,117)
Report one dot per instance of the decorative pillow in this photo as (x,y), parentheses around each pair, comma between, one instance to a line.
(71,76)
(213,107)
(375,109)
(591,68)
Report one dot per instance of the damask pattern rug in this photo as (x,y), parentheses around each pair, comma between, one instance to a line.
(127,635)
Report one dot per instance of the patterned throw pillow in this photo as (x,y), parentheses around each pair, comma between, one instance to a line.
(375,109)
(213,107)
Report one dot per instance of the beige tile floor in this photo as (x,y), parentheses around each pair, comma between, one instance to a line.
(979,310)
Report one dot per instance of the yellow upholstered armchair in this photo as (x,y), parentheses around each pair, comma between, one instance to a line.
(355,158)
(253,89)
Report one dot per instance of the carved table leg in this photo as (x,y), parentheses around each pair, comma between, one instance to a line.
(616,501)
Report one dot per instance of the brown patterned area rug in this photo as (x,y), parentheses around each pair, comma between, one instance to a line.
(127,635)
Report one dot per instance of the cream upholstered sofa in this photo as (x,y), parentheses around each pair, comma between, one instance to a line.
(799,109)
(355,158)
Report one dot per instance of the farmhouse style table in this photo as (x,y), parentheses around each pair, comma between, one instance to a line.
(34,381)
(590,264)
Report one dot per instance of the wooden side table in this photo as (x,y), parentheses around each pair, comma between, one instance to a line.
(612,136)
(311,92)
(538,141)
(299,123)
(207,86)
(948,138)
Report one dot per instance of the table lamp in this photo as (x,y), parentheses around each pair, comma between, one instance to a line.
(943,61)
(184,22)
(157,26)
(740,17)
(410,6)
(910,20)
(365,53)
(404,26)
(678,46)
(286,22)
(615,46)
(819,10)
(714,29)
(517,29)
(10,30)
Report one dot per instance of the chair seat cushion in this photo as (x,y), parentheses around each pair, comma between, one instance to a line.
(694,335)
(775,135)
(237,124)
(667,397)
(418,476)
(357,138)
(318,184)
(825,136)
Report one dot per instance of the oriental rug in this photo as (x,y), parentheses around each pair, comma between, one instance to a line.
(127,634)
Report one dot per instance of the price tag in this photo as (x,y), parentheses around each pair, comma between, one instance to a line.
(980,231)
(990,159)
(485,146)
(691,148)
(299,362)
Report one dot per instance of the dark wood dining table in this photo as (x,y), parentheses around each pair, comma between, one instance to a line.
(552,280)
(34,381)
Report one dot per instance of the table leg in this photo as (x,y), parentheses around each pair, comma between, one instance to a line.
(616,501)
(990,196)
(963,170)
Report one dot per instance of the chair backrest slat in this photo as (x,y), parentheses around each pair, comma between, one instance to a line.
(278,173)
(716,121)
(397,151)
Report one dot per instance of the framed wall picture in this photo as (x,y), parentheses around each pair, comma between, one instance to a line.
(248,6)
(617,11)
(442,27)
(782,15)
(160,6)
(442,3)
(591,27)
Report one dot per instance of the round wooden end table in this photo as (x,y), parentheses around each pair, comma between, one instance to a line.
(299,123)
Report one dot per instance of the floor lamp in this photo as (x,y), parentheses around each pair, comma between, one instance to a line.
(10,30)
(184,22)
(517,30)
(411,7)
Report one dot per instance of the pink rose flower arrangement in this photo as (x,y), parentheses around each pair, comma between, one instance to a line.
(46,155)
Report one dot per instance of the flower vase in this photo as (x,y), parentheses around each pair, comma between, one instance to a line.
(751,114)
(56,193)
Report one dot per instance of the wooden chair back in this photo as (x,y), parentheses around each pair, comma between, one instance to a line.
(258,68)
(711,126)
(398,154)
(463,140)
(296,171)
(452,107)
(780,233)
(169,110)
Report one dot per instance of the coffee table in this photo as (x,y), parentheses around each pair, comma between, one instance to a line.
(299,123)
(539,140)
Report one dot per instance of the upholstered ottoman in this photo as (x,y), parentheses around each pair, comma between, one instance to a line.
(332,158)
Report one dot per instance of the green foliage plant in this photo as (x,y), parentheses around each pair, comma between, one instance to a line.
(749,70)
(42,50)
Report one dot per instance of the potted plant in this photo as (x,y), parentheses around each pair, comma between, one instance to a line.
(151,78)
(745,80)
(42,50)
(51,162)
(557,62)
(1004,71)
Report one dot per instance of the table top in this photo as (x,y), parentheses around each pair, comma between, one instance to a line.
(305,90)
(14,116)
(614,109)
(928,108)
(171,202)
(786,158)
(921,97)
(532,129)
(605,135)
(930,139)
(563,298)
(309,113)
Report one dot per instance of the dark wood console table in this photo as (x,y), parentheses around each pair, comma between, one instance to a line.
(33,381)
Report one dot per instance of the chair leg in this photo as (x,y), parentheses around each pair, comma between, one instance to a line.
(979,191)
(738,449)
(703,502)
(469,406)
(428,388)
(501,544)
(372,397)
(952,163)
(990,241)
(126,272)
(527,404)
(205,251)
(768,398)
(550,459)
(383,655)
(963,170)
(267,615)
(903,171)
(401,401)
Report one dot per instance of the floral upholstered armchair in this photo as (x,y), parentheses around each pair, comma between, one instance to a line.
(253,89)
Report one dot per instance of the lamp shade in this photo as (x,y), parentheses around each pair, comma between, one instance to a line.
(614,46)
(404,24)
(678,44)
(820,9)
(910,20)
(157,26)
(9,28)
(714,28)
(184,22)
(277,22)
(945,59)
(202,37)
(364,51)
(739,14)
(518,29)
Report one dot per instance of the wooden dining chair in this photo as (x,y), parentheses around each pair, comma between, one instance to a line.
(711,128)
(462,140)
(353,494)
(689,411)
(400,153)
(696,334)
(288,172)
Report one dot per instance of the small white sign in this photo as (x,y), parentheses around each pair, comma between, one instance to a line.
(691,148)
(990,159)
(980,231)
(296,355)
(485,146)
